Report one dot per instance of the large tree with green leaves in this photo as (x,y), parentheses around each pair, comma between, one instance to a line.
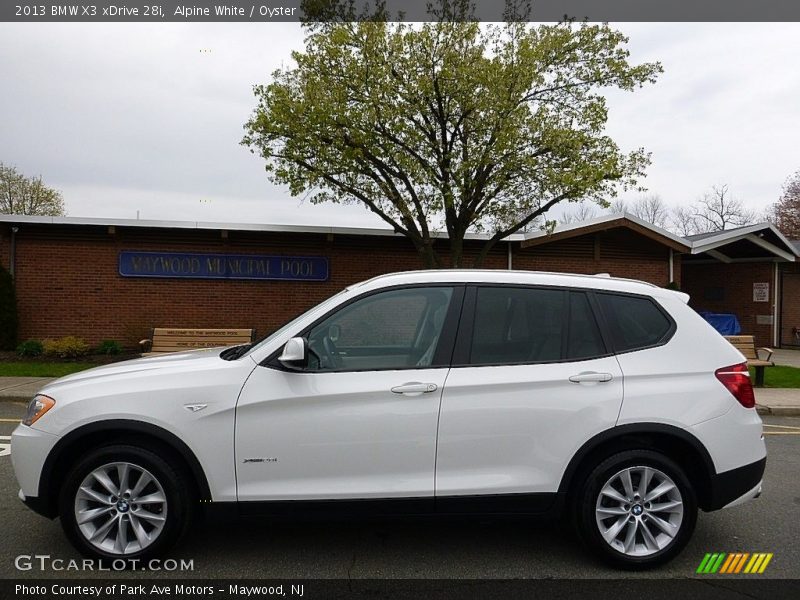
(22,195)
(449,125)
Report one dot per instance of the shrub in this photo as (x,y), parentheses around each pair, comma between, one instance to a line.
(110,347)
(672,285)
(66,347)
(8,311)
(30,348)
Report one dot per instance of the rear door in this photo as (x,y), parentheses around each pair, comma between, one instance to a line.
(532,380)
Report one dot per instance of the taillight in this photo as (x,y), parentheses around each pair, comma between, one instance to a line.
(737,379)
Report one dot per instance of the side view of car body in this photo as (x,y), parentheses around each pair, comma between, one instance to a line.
(451,392)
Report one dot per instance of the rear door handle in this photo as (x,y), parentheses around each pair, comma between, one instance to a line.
(591,377)
(414,388)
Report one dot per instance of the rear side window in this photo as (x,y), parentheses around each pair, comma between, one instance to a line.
(584,339)
(533,325)
(517,325)
(635,322)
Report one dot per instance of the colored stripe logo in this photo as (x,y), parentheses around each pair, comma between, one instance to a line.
(734,562)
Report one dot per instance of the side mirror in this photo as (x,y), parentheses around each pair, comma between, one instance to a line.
(295,353)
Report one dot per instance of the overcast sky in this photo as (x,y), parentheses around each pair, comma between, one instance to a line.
(127,118)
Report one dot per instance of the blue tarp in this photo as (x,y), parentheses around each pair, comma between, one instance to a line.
(725,323)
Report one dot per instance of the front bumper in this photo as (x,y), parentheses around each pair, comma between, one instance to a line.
(37,505)
(736,486)
(29,450)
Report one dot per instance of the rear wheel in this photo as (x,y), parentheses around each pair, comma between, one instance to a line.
(125,502)
(637,509)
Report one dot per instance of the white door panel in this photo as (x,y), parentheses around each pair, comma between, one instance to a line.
(337,435)
(513,429)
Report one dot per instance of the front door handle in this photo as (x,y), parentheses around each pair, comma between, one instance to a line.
(414,388)
(591,377)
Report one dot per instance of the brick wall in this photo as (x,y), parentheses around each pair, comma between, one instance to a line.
(5,246)
(619,252)
(790,304)
(68,281)
(728,288)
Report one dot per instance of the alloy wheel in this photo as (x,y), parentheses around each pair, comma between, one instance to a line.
(639,511)
(120,508)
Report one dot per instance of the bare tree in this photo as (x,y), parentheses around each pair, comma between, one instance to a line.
(682,220)
(619,206)
(718,210)
(651,208)
(582,212)
(21,195)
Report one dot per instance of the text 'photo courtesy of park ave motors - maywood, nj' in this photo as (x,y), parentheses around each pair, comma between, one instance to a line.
(333,299)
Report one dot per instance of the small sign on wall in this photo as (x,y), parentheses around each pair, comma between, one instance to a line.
(760,292)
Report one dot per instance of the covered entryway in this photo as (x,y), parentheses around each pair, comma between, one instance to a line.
(738,271)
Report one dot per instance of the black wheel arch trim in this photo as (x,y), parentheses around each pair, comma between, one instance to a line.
(46,502)
(621,431)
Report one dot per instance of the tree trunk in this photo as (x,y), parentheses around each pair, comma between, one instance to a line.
(457,251)
(478,262)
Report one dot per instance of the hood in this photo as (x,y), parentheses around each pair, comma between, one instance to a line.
(140,365)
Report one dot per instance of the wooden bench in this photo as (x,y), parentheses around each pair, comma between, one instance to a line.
(165,339)
(746,345)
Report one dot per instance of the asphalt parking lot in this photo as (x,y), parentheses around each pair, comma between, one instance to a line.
(236,549)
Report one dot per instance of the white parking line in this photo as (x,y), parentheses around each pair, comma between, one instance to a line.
(5,449)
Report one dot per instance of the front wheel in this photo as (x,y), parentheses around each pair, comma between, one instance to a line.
(124,502)
(637,509)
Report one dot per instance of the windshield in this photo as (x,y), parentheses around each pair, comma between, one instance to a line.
(281,330)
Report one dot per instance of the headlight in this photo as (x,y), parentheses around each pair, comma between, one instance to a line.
(36,408)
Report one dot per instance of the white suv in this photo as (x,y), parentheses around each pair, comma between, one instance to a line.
(448,392)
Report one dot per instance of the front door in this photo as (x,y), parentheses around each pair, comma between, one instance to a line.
(360,421)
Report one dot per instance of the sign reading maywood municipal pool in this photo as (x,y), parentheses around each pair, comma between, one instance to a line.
(222,266)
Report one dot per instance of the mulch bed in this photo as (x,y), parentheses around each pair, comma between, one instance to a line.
(98,359)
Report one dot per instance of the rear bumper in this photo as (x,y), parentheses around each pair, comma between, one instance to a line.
(736,486)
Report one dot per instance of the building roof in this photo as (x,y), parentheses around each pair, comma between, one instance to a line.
(751,242)
(602,222)
(606,222)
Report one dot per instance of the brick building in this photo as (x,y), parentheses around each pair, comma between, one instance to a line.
(750,272)
(117,279)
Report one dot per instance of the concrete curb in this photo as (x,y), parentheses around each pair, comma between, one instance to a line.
(779,411)
(23,399)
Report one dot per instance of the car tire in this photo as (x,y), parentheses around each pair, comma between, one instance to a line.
(631,527)
(130,525)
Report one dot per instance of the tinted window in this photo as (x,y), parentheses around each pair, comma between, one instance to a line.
(634,322)
(517,325)
(396,329)
(584,340)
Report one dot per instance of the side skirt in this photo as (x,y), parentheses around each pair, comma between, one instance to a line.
(539,504)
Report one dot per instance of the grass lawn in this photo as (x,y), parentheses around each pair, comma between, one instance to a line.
(779,377)
(41,369)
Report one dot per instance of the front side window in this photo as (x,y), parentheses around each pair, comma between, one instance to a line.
(635,322)
(395,329)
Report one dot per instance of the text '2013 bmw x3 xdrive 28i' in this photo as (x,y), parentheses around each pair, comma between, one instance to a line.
(448,392)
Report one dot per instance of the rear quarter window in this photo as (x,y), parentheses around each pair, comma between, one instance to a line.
(635,322)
